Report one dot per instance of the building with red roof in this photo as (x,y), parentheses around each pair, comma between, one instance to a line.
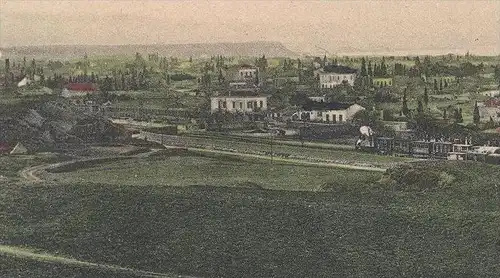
(79,89)
(492,102)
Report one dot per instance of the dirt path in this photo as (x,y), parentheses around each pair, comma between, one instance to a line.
(30,173)
(13,251)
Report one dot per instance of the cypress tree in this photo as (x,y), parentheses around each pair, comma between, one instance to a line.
(363,67)
(441,84)
(426,97)
(420,107)
(405,105)
(370,70)
(435,85)
(476,116)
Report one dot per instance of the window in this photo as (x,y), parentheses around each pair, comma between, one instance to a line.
(320,113)
(327,118)
(249,105)
(224,104)
(234,104)
(241,105)
(219,104)
(334,118)
(340,118)
(255,104)
(261,104)
(390,82)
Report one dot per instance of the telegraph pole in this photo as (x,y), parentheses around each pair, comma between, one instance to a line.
(272,153)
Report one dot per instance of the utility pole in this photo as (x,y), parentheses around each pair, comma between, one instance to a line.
(272,153)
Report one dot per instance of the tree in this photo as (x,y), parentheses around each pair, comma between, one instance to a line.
(363,67)
(440,84)
(458,115)
(405,109)
(476,116)
(370,70)
(426,97)
(435,85)
(420,107)
(221,76)
(7,65)
(383,68)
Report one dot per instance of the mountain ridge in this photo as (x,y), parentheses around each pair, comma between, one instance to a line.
(250,49)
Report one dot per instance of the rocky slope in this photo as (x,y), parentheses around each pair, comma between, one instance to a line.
(49,124)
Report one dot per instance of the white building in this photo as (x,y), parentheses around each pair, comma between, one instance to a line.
(247,72)
(487,114)
(328,112)
(245,104)
(491,93)
(333,75)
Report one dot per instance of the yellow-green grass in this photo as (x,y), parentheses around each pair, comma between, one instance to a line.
(216,171)
(343,156)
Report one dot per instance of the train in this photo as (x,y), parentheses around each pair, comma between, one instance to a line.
(431,149)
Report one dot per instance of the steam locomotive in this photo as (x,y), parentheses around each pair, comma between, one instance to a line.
(430,149)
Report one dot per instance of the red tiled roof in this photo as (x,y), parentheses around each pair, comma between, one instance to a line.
(492,102)
(81,87)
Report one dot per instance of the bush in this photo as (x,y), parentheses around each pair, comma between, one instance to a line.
(181,77)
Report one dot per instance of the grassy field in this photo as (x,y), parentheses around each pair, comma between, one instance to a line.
(215,171)
(373,230)
(349,156)
(20,267)
(11,165)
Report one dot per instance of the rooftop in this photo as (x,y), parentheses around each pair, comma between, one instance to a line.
(241,93)
(339,69)
(247,66)
(314,105)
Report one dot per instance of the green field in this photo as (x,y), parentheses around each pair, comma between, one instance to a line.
(215,171)
(264,145)
(387,229)
(11,165)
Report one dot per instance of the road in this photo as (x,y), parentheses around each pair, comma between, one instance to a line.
(30,173)
(14,251)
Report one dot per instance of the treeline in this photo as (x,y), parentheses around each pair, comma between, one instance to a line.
(377,70)
(425,67)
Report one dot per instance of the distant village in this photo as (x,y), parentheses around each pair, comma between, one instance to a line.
(450,98)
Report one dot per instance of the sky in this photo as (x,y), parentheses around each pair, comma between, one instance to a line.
(302,26)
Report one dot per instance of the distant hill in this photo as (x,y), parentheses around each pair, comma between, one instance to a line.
(249,49)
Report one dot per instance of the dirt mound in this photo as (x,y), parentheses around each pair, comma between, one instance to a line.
(45,125)
(420,176)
